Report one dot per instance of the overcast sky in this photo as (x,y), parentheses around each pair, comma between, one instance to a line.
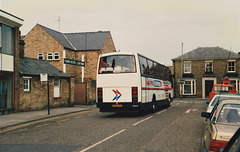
(154,28)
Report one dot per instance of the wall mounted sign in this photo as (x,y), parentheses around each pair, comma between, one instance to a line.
(74,62)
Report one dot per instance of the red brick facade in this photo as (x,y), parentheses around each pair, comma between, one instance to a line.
(39,40)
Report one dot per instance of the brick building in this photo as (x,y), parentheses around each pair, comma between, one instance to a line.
(204,67)
(34,92)
(9,62)
(44,43)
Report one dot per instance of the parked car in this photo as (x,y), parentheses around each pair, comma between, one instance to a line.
(223,122)
(234,143)
(218,97)
(219,88)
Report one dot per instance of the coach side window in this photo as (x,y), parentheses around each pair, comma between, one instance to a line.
(156,69)
(151,67)
(143,65)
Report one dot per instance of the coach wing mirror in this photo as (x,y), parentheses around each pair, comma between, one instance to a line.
(207,102)
(205,114)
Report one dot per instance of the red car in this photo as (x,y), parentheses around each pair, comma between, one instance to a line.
(217,88)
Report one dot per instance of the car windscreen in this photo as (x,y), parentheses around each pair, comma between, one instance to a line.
(117,64)
(229,114)
(215,100)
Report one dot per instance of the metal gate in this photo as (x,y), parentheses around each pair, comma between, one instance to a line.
(80,93)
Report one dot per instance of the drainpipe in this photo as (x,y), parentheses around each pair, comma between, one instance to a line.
(69,102)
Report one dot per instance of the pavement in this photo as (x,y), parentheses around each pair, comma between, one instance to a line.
(15,119)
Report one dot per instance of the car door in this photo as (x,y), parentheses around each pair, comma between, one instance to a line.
(209,127)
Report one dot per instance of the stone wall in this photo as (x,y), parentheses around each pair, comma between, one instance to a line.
(37,97)
(198,71)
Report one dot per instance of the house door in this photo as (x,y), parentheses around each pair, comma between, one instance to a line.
(80,93)
(208,87)
(56,88)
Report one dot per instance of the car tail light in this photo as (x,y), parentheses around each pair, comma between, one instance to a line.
(100,95)
(134,94)
(216,145)
(100,66)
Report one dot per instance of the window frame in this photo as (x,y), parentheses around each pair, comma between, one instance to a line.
(206,68)
(49,54)
(56,54)
(7,43)
(57,88)
(28,79)
(40,55)
(187,62)
(234,66)
(102,62)
(192,85)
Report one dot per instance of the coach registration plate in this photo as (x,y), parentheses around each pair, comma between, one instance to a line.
(117,105)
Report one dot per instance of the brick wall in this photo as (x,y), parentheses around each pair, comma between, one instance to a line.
(91,58)
(72,70)
(37,97)
(108,45)
(91,62)
(16,80)
(39,41)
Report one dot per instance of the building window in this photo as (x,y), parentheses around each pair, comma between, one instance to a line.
(208,66)
(187,67)
(231,66)
(56,56)
(26,83)
(49,56)
(40,56)
(56,88)
(7,39)
(189,88)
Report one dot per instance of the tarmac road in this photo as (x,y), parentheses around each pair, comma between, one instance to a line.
(178,128)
